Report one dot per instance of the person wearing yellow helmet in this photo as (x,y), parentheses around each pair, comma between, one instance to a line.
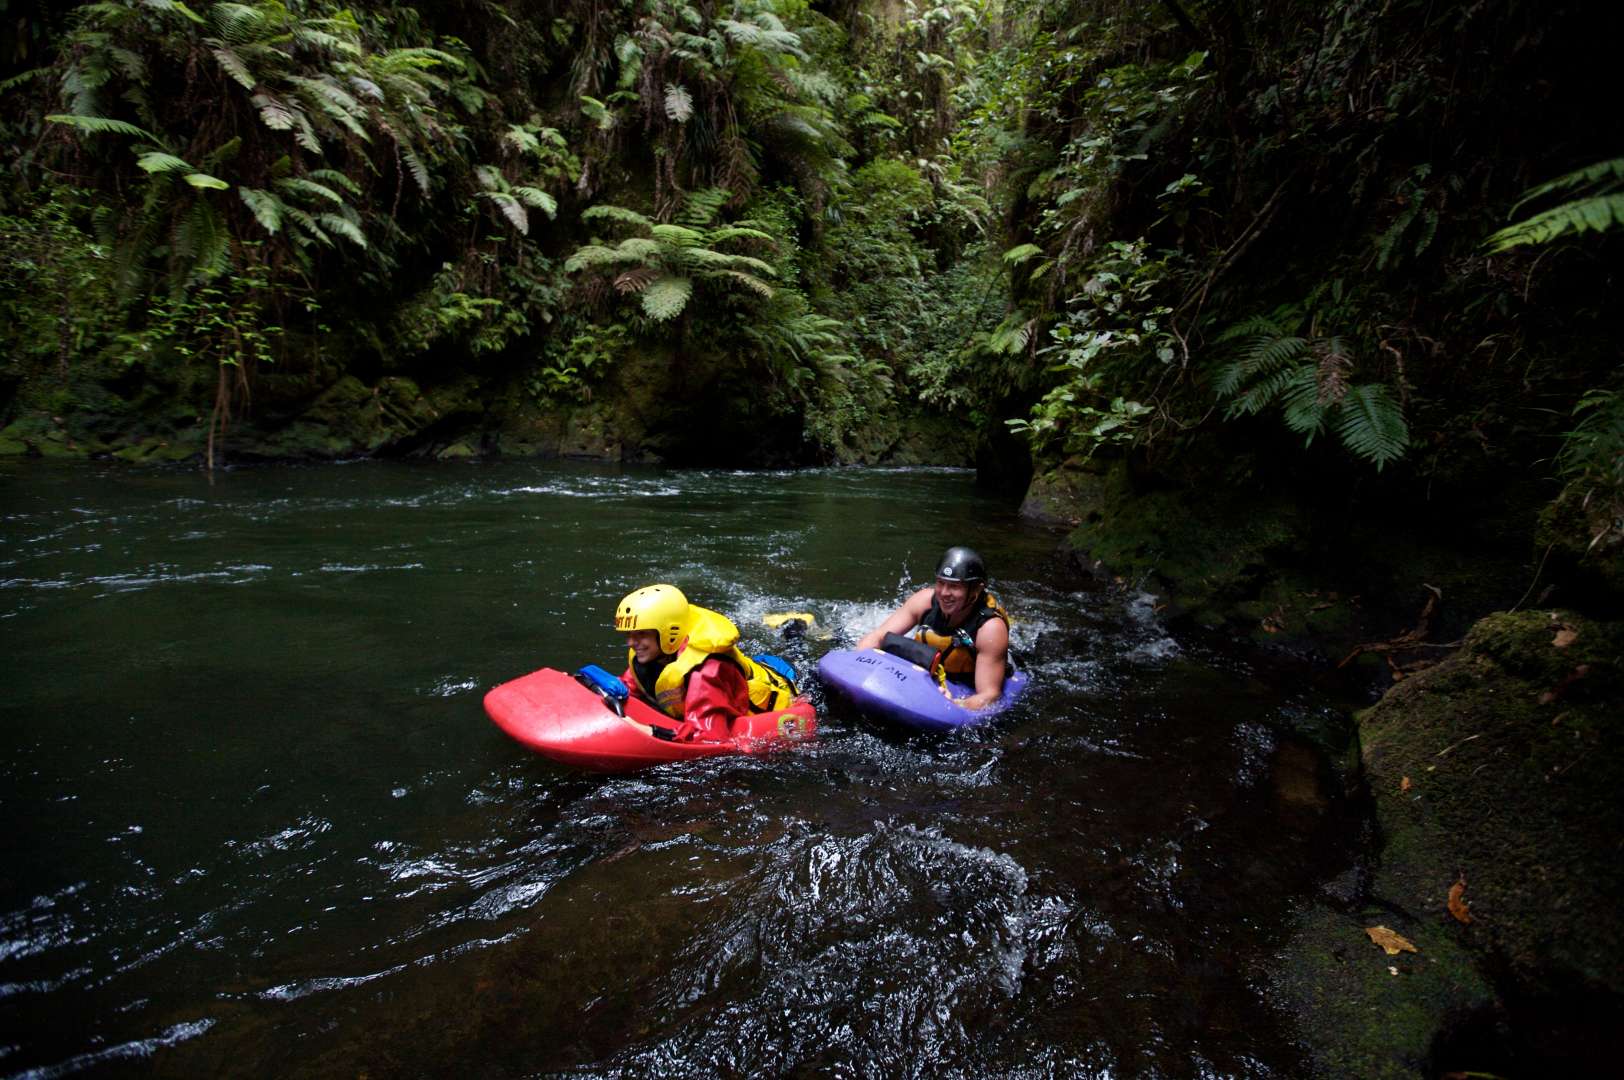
(684,660)
(963,623)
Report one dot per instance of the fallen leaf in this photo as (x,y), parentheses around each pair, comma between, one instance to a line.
(1565,637)
(1457,901)
(1391,970)
(1389,941)
(1404,785)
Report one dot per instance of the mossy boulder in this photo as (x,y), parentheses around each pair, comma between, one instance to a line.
(1069,493)
(350,418)
(1582,536)
(1504,767)
(1361,1012)
(1495,780)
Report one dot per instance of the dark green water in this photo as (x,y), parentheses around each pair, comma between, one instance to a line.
(257,822)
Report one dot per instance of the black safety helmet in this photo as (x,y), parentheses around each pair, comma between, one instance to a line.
(962,564)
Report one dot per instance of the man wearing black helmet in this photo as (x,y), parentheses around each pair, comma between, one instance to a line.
(959,618)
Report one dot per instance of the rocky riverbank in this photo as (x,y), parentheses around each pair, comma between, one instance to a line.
(1480,934)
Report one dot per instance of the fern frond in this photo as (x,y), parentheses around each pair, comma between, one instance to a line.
(618,214)
(1600,172)
(417,59)
(304,134)
(344,227)
(302,186)
(314,36)
(202,239)
(538,199)
(336,179)
(702,206)
(677,235)
(665,297)
(521,140)
(749,281)
(267,208)
(1020,253)
(334,101)
(272,113)
(239,23)
(156,161)
(737,232)
(679,103)
(233,65)
(101,125)
(593,256)
(1371,424)
(204,180)
(17,80)
(415,166)
(511,209)
(635,281)
(708,261)
(1263,393)
(308,225)
(1275,324)
(1597,213)
(1302,403)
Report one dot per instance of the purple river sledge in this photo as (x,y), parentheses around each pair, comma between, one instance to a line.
(887,686)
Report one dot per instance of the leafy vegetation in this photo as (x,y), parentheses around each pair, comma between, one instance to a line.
(1109,228)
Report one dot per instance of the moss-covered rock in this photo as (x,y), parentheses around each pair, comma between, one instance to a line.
(350,418)
(1203,555)
(1582,536)
(1069,493)
(1503,767)
(1495,775)
(1364,1013)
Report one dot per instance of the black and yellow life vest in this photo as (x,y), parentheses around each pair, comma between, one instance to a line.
(712,634)
(957,644)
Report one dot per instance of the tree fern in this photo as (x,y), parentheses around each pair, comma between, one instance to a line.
(1306,378)
(605,212)
(665,297)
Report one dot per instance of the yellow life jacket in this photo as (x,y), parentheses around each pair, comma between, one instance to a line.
(713,634)
(957,645)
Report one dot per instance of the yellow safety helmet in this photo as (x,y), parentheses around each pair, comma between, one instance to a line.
(662,608)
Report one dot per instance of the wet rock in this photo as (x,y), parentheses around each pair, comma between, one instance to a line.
(1495,776)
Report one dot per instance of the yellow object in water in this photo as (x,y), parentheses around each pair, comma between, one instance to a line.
(780,618)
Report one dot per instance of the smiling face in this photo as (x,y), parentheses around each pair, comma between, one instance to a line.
(644,644)
(954,598)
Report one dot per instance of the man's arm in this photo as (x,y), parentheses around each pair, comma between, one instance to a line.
(900,621)
(992,655)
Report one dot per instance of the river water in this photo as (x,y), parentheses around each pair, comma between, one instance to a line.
(256,821)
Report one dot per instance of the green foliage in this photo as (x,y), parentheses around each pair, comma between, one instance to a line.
(298,111)
(1593,450)
(1307,375)
(56,297)
(1596,203)
(1416,224)
(574,362)
(662,266)
(1109,347)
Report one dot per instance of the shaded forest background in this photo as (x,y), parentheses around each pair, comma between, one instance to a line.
(1258,245)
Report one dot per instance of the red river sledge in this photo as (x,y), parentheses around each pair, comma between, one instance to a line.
(556,715)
